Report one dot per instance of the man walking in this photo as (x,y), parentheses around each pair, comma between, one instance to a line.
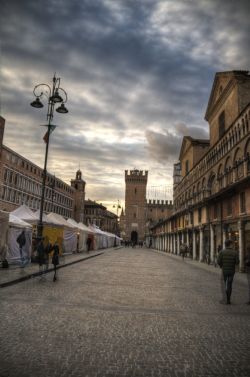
(227,260)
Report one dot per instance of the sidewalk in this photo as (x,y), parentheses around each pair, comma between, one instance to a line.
(239,276)
(16,274)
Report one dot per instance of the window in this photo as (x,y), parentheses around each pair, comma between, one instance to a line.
(242,202)
(221,122)
(187,166)
(135,190)
(135,215)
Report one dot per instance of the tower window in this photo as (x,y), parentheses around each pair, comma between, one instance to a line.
(187,166)
(135,190)
(135,215)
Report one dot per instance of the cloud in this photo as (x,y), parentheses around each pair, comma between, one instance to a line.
(165,146)
(138,75)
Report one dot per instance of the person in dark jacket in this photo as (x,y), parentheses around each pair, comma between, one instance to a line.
(55,258)
(227,260)
(21,240)
(41,254)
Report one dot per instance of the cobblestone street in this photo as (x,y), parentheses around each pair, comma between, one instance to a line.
(127,312)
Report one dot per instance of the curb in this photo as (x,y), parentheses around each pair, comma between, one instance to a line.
(35,274)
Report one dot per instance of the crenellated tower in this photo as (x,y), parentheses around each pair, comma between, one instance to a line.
(135,204)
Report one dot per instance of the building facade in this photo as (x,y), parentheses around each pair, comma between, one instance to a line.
(21,183)
(96,214)
(140,213)
(212,178)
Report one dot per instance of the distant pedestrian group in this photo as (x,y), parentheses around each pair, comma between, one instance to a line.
(43,252)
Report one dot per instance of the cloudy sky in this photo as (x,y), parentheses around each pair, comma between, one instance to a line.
(138,75)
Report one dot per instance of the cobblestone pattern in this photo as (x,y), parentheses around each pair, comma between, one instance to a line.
(129,312)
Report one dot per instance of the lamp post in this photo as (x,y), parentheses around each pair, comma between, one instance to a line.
(117,206)
(53,94)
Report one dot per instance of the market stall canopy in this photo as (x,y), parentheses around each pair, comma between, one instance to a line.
(59,220)
(45,217)
(73,223)
(97,230)
(24,213)
(17,222)
(86,228)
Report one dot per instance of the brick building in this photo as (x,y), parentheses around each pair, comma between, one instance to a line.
(96,214)
(21,183)
(212,177)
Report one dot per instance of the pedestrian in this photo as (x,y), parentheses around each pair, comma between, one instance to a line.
(247,267)
(41,256)
(227,260)
(183,250)
(89,242)
(55,258)
(21,240)
(47,250)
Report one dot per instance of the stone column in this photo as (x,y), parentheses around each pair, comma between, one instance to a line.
(174,248)
(211,243)
(194,245)
(241,230)
(201,245)
(178,244)
(188,238)
(182,237)
(223,237)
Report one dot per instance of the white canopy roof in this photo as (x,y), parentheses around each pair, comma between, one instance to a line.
(45,217)
(24,213)
(16,221)
(85,227)
(58,219)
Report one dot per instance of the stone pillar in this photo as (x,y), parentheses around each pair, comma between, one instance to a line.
(182,237)
(223,237)
(188,238)
(211,243)
(174,248)
(241,230)
(194,245)
(201,245)
(178,243)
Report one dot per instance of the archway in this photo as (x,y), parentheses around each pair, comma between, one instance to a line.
(134,237)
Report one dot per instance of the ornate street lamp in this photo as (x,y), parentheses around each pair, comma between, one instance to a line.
(117,206)
(55,95)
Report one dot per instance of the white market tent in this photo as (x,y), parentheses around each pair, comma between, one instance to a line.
(25,213)
(16,226)
(69,232)
(82,234)
(45,217)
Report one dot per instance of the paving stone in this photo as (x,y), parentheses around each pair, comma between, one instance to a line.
(129,312)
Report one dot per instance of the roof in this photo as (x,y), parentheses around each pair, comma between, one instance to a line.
(192,141)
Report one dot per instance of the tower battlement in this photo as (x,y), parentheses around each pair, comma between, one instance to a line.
(136,175)
(159,203)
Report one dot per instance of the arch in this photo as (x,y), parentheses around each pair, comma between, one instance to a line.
(212,183)
(203,185)
(134,237)
(238,163)
(229,171)
(247,154)
(247,148)
(220,176)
